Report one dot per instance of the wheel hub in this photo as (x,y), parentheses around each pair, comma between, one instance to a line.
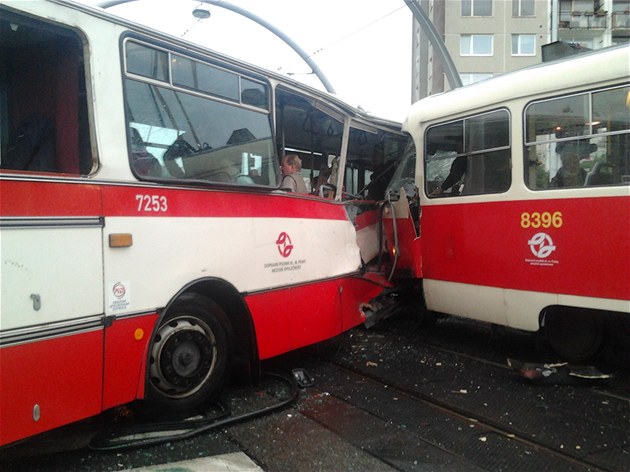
(183,356)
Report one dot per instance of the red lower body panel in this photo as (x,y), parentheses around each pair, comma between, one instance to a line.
(298,316)
(47,384)
(126,344)
(578,246)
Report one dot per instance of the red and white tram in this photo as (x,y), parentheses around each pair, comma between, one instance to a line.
(524,201)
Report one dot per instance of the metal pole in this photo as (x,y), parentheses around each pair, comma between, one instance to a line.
(112,3)
(436,41)
(292,44)
(554,20)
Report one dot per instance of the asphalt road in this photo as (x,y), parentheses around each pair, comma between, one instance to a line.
(399,396)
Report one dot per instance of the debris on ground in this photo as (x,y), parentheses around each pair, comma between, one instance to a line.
(562,372)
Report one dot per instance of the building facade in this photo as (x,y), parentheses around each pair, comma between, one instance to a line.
(489,37)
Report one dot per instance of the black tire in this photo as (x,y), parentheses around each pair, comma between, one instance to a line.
(576,335)
(188,357)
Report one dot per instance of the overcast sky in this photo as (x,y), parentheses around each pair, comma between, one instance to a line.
(363,47)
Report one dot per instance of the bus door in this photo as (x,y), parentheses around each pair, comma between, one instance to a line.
(51,309)
(372,158)
(51,329)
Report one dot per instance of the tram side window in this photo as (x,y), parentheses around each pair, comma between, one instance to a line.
(469,156)
(43,106)
(578,141)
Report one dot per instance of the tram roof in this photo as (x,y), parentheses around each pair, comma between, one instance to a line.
(593,68)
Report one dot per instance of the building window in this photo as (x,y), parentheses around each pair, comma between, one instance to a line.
(523,8)
(472,77)
(523,44)
(476,7)
(476,45)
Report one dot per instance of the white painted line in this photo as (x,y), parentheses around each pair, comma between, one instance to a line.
(235,462)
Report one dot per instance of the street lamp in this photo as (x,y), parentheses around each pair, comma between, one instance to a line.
(201,13)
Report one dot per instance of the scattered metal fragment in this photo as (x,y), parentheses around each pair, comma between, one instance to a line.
(557,373)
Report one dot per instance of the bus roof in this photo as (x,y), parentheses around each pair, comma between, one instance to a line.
(355,112)
(592,68)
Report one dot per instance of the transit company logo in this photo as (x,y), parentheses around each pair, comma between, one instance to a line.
(285,248)
(284,244)
(541,246)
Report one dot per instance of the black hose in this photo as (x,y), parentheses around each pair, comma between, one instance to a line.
(157,433)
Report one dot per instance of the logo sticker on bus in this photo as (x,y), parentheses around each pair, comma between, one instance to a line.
(119,296)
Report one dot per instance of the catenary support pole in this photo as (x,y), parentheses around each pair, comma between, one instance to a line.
(436,41)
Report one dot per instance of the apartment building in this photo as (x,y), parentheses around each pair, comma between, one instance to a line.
(489,37)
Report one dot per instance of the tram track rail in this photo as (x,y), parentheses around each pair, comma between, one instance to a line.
(532,349)
(392,398)
(616,393)
(603,443)
(484,422)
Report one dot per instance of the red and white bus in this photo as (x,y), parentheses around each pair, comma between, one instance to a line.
(524,201)
(147,249)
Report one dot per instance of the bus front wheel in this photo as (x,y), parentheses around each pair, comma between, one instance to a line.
(188,357)
(576,335)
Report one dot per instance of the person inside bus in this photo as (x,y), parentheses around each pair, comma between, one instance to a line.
(323,187)
(292,179)
(457,171)
(382,173)
(571,174)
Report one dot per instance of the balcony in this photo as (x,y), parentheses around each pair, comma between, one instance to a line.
(583,20)
(621,20)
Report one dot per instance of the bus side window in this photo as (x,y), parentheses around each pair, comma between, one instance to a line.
(44,125)
(494,172)
(32,146)
(143,161)
(197,127)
